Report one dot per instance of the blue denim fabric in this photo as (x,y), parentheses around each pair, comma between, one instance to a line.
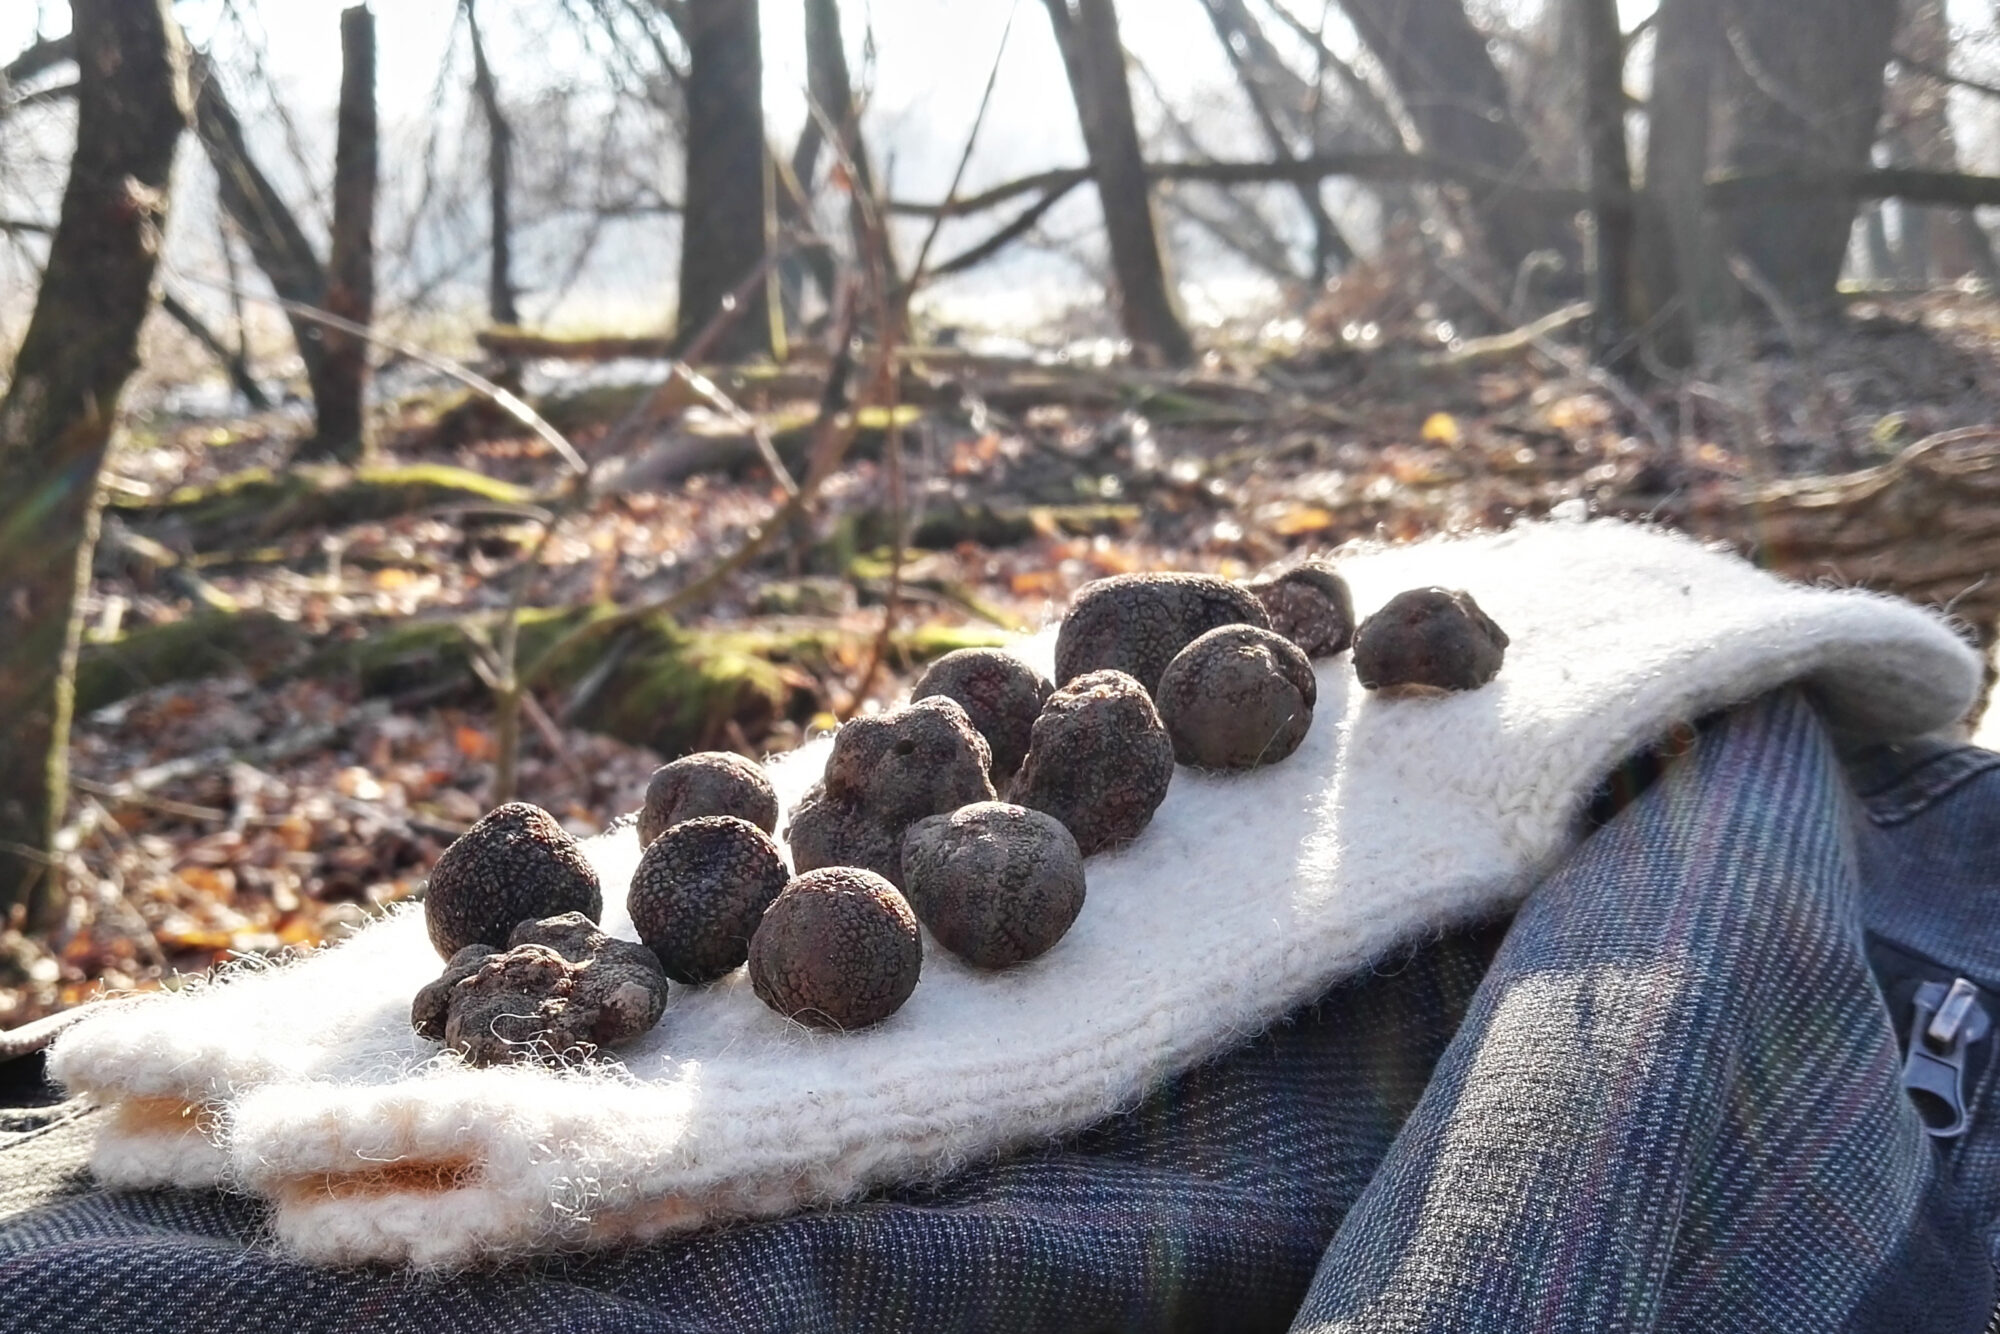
(1669,1101)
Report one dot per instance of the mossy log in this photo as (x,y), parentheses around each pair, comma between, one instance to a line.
(259,505)
(650,682)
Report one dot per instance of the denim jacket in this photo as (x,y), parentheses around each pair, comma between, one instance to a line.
(1729,1068)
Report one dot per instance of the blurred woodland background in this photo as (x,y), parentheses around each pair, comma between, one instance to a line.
(408,410)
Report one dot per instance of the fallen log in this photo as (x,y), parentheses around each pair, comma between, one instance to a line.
(652,682)
(259,505)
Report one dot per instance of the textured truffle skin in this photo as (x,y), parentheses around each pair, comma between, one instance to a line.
(884,774)
(996,884)
(515,865)
(1136,623)
(713,782)
(838,949)
(562,989)
(1310,605)
(699,891)
(1428,641)
(1001,694)
(1236,698)
(1099,760)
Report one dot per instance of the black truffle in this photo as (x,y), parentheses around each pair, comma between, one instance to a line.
(714,782)
(885,773)
(699,891)
(561,990)
(838,949)
(996,884)
(1136,623)
(1428,641)
(1236,698)
(1309,605)
(1099,760)
(515,865)
(1002,695)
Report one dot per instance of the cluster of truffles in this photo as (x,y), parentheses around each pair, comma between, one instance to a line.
(968,812)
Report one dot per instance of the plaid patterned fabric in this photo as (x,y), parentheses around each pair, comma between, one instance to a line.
(1671,1104)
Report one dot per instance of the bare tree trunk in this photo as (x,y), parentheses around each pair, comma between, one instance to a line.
(1087,32)
(278,245)
(1804,93)
(1954,244)
(1454,94)
(341,396)
(1610,173)
(722,228)
(1251,57)
(832,89)
(1679,265)
(500,305)
(55,422)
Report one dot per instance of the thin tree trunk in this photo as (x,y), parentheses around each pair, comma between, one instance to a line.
(1679,263)
(499,180)
(1804,93)
(55,422)
(1454,94)
(1087,32)
(1955,245)
(1251,57)
(1610,173)
(722,228)
(832,88)
(278,245)
(341,397)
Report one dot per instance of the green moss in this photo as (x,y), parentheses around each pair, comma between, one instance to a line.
(199,646)
(258,505)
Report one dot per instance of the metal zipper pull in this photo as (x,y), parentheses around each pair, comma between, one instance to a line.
(1947,1021)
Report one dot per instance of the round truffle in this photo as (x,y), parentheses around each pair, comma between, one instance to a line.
(838,949)
(884,774)
(699,891)
(1428,641)
(904,764)
(1309,604)
(1099,760)
(1002,695)
(714,782)
(996,884)
(560,989)
(515,865)
(1136,623)
(1236,698)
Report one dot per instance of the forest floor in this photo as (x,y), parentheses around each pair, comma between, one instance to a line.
(252,802)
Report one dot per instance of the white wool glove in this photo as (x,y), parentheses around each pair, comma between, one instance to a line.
(1247,896)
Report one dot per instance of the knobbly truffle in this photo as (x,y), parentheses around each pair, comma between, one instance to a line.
(1309,604)
(699,891)
(885,773)
(1236,698)
(561,989)
(515,865)
(714,782)
(1136,623)
(996,884)
(1428,641)
(838,949)
(1099,760)
(1002,695)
